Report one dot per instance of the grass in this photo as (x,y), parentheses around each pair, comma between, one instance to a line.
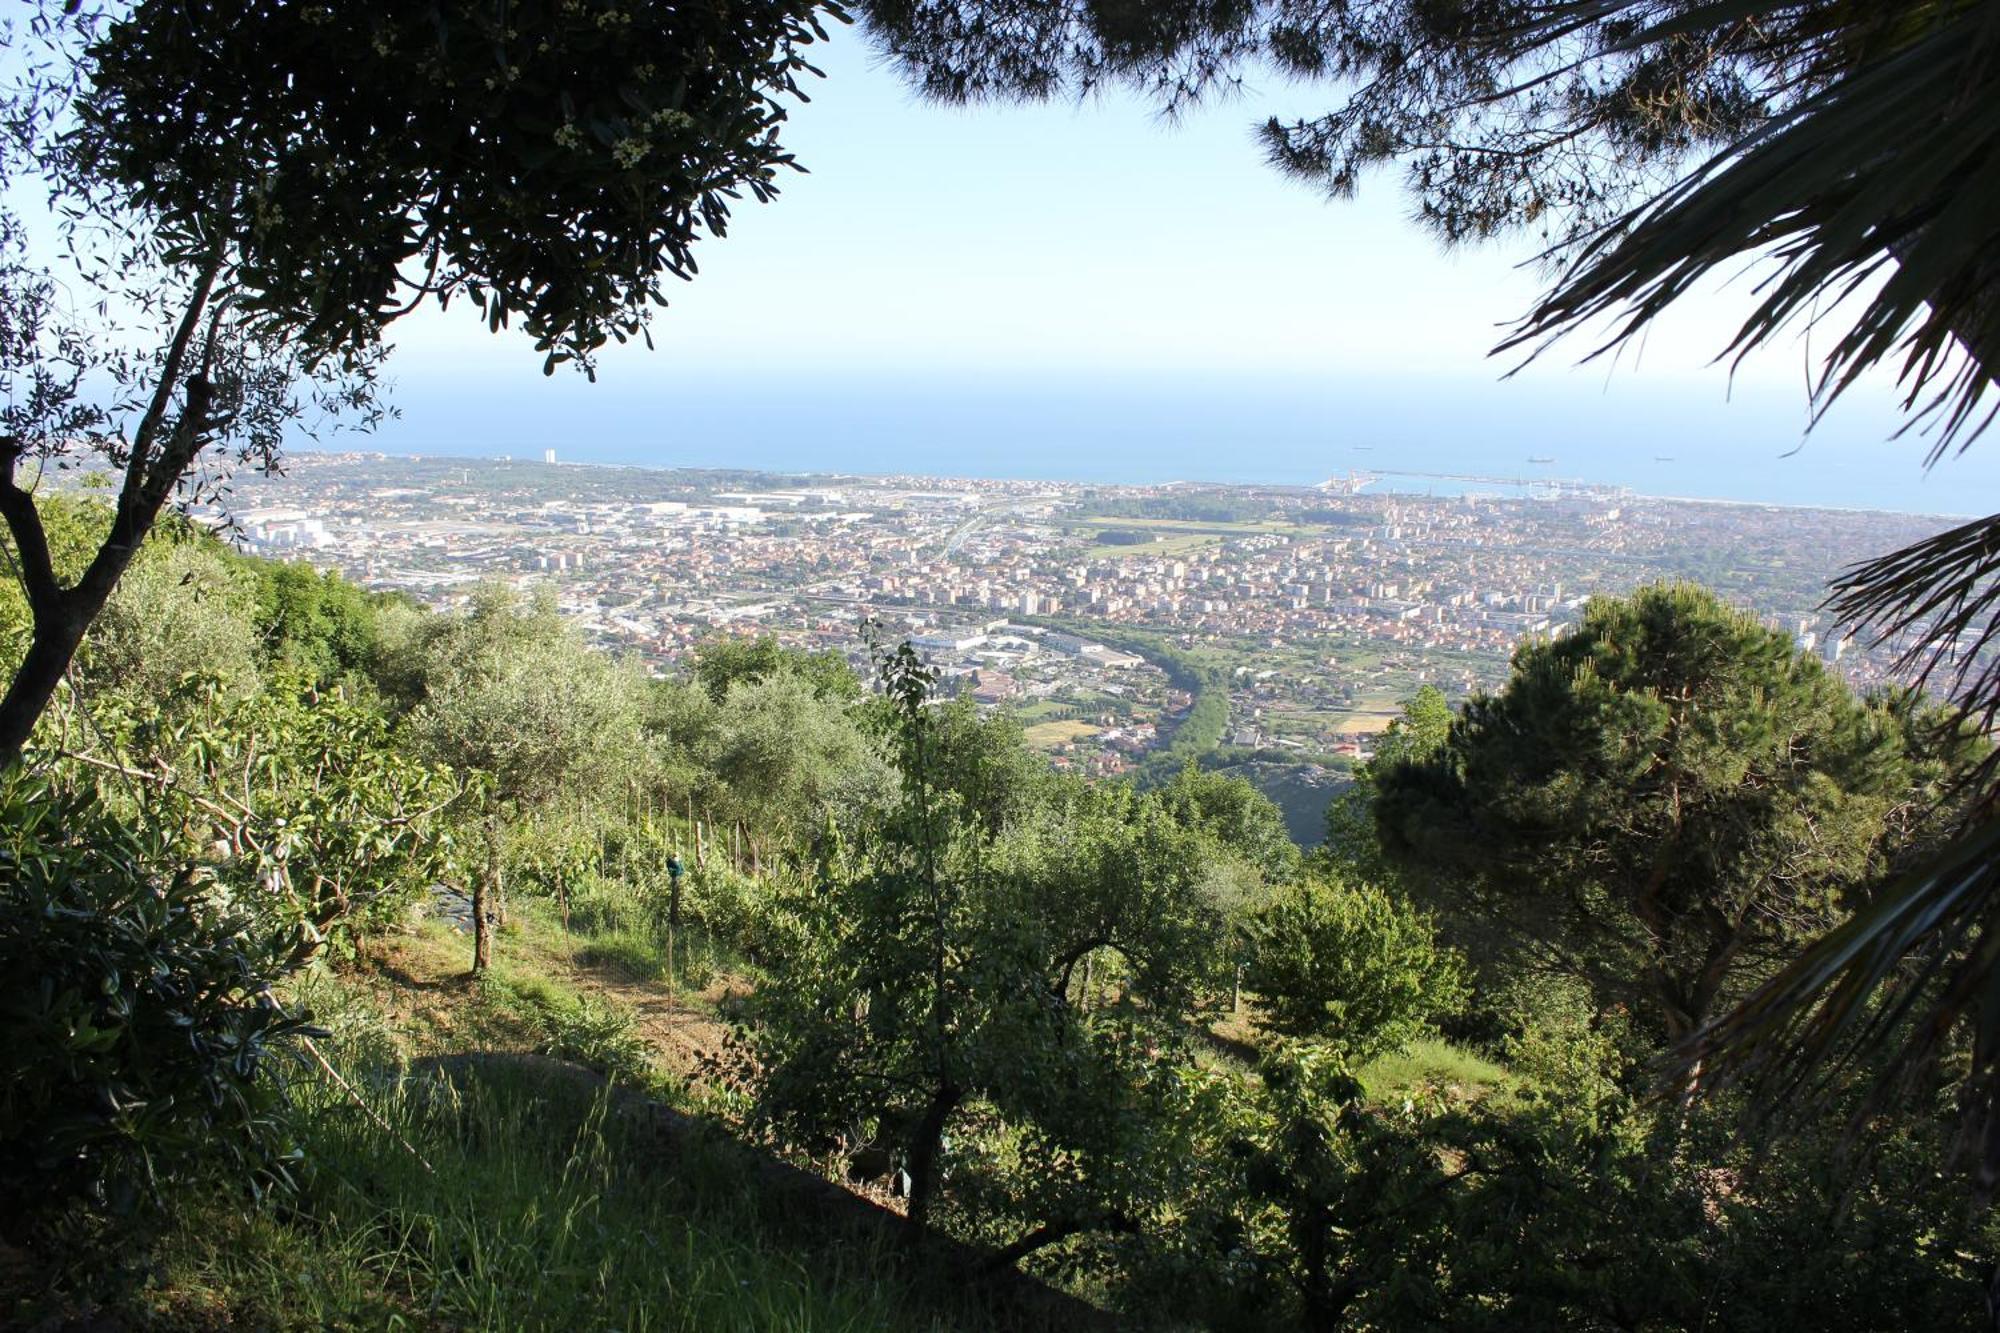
(1427,1061)
(1369,723)
(1436,1063)
(544,1210)
(623,932)
(1048,735)
(511,1195)
(1220,528)
(1179,544)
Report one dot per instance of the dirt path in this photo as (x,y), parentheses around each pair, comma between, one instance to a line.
(683,1026)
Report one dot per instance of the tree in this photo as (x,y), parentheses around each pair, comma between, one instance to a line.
(1667,801)
(789,757)
(1348,965)
(986,763)
(1419,733)
(721,662)
(316,621)
(1235,814)
(510,693)
(936,988)
(182,611)
(140,1031)
(267,187)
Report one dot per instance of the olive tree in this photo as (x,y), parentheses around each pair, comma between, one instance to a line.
(512,695)
(1350,965)
(789,758)
(248,195)
(932,996)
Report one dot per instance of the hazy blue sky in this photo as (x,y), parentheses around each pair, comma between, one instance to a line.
(1066,262)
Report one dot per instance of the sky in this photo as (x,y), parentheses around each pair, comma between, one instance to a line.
(1089,291)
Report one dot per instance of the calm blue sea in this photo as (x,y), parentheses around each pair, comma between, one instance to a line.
(1658,440)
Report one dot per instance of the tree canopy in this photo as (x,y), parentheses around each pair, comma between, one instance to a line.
(262,189)
(1667,800)
(550,162)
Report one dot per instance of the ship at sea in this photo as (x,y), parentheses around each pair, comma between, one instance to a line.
(1541,458)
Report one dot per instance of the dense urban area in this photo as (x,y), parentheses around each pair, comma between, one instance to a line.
(1097,613)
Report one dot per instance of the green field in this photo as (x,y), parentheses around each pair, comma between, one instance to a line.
(1048,735)
(1163,546)
(1242,529)
(1371,720)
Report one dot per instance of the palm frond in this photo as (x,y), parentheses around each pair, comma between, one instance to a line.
(1910,966)
(1876,192)
(1879,184)
(1943,595)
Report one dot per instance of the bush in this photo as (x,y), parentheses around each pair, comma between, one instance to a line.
(136,1027)
(731,907)
(1351,965)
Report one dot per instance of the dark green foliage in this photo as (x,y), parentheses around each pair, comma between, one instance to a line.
(986,764)
(1352,843)
(1299,787)
(1002,981)
(942,986)
(721,662)
(1573,1206)
(1197,733)
(790,759)
(1350,965)
(316,622)
(136,1033)
(1336,518)
(1236,815)
(353,825)
(1667,800)
(550,162)
(1195,507)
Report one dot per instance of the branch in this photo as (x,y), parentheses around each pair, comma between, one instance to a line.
(1050,1233)
(139,505)
(24,521)
(163,781)
(1066,964)
(170,375)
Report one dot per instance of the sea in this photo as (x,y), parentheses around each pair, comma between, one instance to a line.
(1404,433)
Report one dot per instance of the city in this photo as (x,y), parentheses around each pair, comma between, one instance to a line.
(1315,610)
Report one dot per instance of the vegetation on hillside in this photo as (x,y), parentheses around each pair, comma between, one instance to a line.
(1066,1041)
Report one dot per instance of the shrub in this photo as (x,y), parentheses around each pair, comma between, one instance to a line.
(1349,964)
(136,1027)
(732,908)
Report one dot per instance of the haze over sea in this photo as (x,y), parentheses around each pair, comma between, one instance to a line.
(1655,439)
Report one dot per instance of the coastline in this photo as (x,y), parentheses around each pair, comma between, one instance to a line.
(1372,486)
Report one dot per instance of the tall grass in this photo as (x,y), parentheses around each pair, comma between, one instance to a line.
(1431,1061)
(542,1208)
(623,928)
